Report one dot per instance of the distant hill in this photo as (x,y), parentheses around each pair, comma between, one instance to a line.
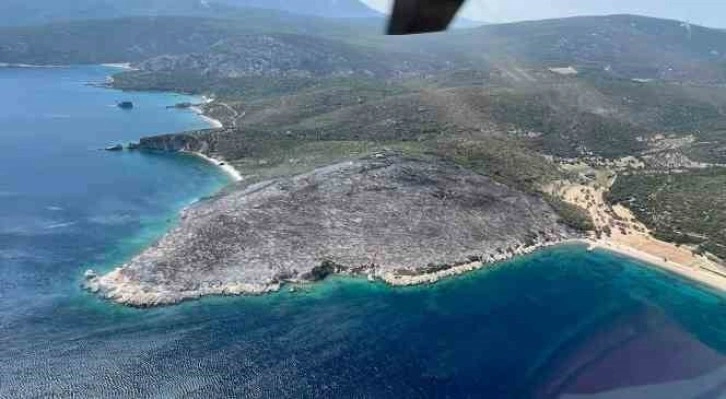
(135,39)
(625,46)
(34,12)
(325,8)
(620,46)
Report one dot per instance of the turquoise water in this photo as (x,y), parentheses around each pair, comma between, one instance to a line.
(560,323)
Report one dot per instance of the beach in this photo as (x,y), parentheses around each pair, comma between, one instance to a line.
(630,237)
(120,65)
(226,168)
(700,275)
(214,123)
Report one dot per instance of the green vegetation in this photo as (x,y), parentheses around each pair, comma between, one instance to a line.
(565,127)
(504,160)
(300,92)
(227,88)
(688,208)
(30,12)
(571,215)
(133,39)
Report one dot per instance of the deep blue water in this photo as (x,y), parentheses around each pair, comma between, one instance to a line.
(560,323)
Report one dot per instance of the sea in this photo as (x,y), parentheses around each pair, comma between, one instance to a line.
(560,323)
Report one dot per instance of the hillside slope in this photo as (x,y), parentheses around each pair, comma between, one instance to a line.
(391,217)
(141,38)
(624,46)
(37,12)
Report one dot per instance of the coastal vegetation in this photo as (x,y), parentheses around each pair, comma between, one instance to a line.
(685,208)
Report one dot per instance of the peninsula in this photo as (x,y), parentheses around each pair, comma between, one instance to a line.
(604,140)
(388,217)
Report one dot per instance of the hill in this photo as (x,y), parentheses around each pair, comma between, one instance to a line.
(140,38)
(530,105)
(643,99)
(38,12)
(388,216)
(620,46)
(625,46)
(35,12)
(324,8)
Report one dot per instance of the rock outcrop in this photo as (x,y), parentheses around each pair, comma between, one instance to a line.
(385,217)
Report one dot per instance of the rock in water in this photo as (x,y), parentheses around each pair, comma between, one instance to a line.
(125,105)
(117,147)
(396,215)
(183,105)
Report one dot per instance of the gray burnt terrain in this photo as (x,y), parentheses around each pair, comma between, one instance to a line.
(378,215)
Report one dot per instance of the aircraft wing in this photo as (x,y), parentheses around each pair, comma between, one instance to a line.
(421,16)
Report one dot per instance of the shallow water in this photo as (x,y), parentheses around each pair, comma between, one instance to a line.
(559,323)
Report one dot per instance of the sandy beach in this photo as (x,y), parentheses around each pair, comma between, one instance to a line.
(227,168)
(700,274)
(214,123)
(120,65)
(630,237)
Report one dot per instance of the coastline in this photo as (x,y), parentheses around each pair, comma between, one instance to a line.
(699,276)
(120,65)
(128,293)
(214,123)
(117,287)
(12,65)
(401,280)
(627,236)
(224,166)
(631,240)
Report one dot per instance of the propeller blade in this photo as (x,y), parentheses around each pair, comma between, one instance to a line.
(421,16)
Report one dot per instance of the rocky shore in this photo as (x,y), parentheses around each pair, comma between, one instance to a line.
(397,219)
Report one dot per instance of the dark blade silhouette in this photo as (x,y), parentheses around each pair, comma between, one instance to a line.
(421,16)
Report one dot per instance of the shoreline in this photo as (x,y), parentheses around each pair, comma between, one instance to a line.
(116,287)
(634,242)
(700,276)
(120,65)
(13,65)
(400,280)
(228,169)
(214,123)
(619,231)
(128,293)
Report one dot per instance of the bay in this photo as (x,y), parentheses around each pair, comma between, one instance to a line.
(563,322)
